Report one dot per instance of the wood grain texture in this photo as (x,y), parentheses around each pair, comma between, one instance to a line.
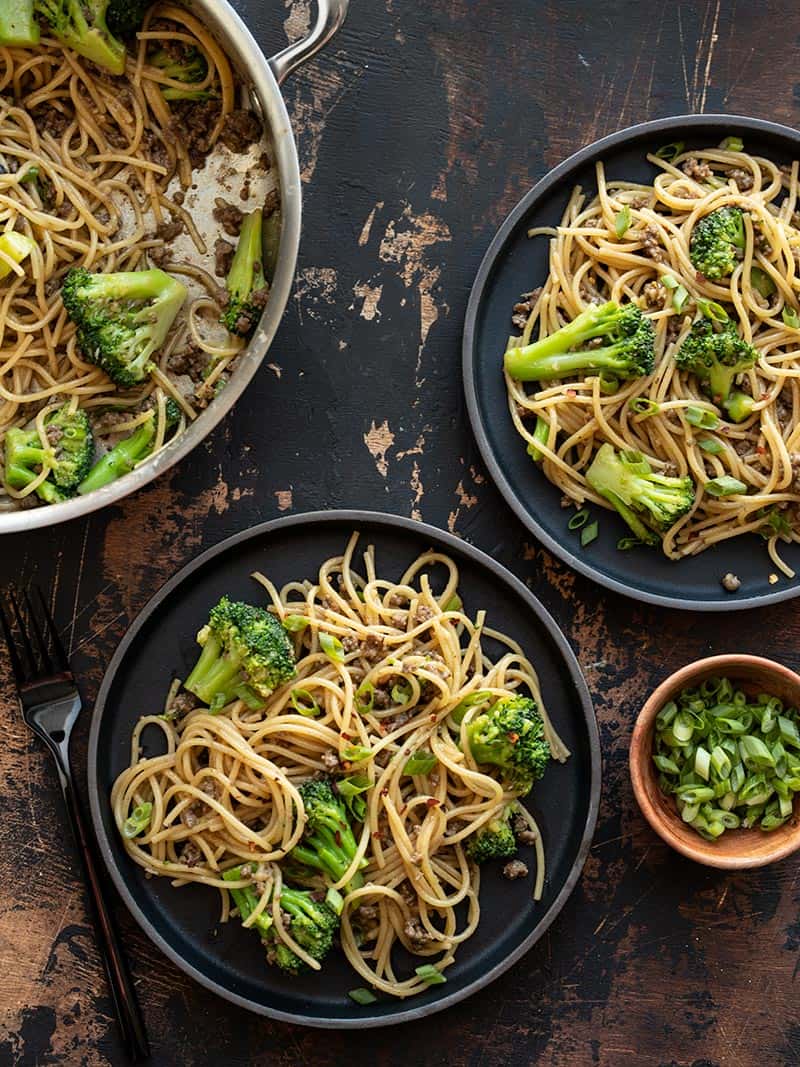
(418,130)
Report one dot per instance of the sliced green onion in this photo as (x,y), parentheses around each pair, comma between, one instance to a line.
(626,543)
(642,405)
(362,996)
(705,420)
(430,974)
(335,900)
(725,485)
(31,174)
(666,715)
(365,698)
(249,696)
(702,763)
(295,623)
(218,702)
(455,603)
(666,765)
(355,753)
(712,310)
(622,221)
(579,519)
(669,281)
(791,318)
(712,445)
(138,820)
(671,151)
(304,703)
(761,282)
(421,762)
(788,731)
(732,144)
(541,433)
(720,762)
(401,691)
(679,298)
(608,384)
(332,647)
(478,697)
(351,789)
(589,533)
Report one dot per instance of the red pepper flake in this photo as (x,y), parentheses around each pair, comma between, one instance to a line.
(764,396)
(701,278)
(760,449)
(347,737)
(251,845)
(571,392)
(338,838)
(385,791)
(432,717)
(377,833)
(432,802)
(513,737)
(403,810)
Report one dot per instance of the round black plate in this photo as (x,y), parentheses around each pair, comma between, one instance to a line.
(161,642)
(515,264)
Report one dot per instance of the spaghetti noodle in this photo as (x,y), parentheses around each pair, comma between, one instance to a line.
(225,790)
(644,260)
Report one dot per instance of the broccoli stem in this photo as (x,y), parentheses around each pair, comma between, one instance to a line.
(593,322)
(246,900)
(122,458)
(531,364)
(540,435)
(17,23)
(327,856)
(214,675)
(246,273)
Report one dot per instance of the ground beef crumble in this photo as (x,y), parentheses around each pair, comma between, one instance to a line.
(651,244)
(239,130)
(655,294)
(515,869)
(696,170)
(229,216)
(743,178)
(223,257)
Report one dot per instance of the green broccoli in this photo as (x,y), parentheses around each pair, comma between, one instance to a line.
(18,25)
(81,26)
(648,502)
(246,899)
(312,924)
(716,241)
(190,68)
(68,455)
(122,318)
(125,17)
(125,455)
(627,349)
(495,839)
(246,655)
(510,735)
(247,286)
(716,356)
(328,844)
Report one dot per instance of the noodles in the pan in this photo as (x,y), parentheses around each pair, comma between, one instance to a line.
(225,791)
(631,242)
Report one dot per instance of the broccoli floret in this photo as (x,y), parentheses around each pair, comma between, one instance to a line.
(328,844)
(312,925)
(190,68)
(68,455)
(81,26)
(125,17)
(510,735)
(494,840)
(125,455)
(716,241)
(246,655)
(17,23)
(715,356)
(648,502)
(627,350)
(247,286)
(246,899)
(122,318)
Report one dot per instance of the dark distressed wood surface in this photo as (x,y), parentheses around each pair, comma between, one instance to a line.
(418,129)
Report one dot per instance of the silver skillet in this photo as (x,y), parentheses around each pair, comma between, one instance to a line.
(263,77)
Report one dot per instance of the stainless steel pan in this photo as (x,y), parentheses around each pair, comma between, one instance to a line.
(263,78)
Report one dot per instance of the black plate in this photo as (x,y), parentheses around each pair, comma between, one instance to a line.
(184,923)
(515,264)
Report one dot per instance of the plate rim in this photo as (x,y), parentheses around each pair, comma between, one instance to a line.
(552,178)
(476,555)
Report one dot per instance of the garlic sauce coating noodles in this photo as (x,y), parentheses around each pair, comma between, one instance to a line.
(630,242)
(400,659)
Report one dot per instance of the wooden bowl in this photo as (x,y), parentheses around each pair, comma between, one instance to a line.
(735,849)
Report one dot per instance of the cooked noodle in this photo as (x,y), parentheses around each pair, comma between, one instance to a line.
(86,161)
(394,633)
(588,262)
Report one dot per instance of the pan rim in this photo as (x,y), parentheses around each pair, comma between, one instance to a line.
(555,176)
(452,543)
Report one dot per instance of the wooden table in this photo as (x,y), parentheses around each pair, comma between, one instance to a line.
(418,130)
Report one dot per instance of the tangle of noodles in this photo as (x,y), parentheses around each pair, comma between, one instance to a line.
(86,162)
(225,789)
(590,263)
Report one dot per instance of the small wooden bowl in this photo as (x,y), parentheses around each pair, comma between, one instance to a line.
(735,849)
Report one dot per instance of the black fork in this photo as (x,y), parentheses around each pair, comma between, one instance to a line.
(50,704)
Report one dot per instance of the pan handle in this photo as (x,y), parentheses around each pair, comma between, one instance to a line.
(330,16)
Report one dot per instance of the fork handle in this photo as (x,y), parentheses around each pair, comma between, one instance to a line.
(126,1004)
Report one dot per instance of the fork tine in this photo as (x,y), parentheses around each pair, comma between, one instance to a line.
(20,674)
(26,641)
(58,649)
(47,662)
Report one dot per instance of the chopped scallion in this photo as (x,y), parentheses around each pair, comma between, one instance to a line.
(589,533)
(725,485)
(332,647)
(362,996)
(622,221)
(580,518)
(430,974)
(704,419)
